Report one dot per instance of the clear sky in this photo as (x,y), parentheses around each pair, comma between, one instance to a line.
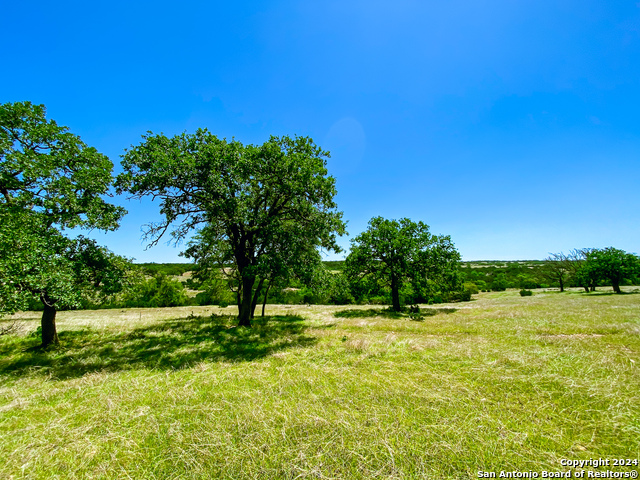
(511,125)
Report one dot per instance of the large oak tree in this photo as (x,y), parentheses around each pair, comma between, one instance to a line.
(247,202)
(50,181)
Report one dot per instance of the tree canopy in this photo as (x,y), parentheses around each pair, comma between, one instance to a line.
(401,251)
(50,181)
(258,208)
(610,265)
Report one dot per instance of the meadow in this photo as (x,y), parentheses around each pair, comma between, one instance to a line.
(501,383)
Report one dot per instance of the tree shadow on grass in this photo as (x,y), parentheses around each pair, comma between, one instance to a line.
(603,293)
(172,344)
(388,313)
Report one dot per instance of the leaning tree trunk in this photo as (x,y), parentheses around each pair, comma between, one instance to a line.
(264,301)
(256,296)
(48,324)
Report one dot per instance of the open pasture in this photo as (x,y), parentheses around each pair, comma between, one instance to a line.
(499,383)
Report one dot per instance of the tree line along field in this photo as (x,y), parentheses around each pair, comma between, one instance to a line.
(174,284)
(256,218)
(475,275)
(500,383)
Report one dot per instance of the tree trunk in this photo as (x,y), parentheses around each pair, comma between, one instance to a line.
(256,296)
(48,325)
(244,313)
(239,297)
(264,301)
(395,293)
(561,284)
(616,286)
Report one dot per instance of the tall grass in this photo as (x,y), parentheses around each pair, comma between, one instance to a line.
(501,383)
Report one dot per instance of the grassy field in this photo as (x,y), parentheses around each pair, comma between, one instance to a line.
(501,383)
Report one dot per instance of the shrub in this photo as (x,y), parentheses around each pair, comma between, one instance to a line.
(159,291)
(525,293)
(499,284)
(471,287)
(527,282)
(465,295)
(414,312)
(378,300)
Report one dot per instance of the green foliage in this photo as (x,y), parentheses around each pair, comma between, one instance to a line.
(515,274)
(216,291)
(263,209)
(49,181)
(500,283)
(159,291)
(327,288)
(337,265)
(414,312)
(44,266)
(470,287)
(610,265)
(174,269)
(51,172)
(462,296)
(525,293)
(402,253)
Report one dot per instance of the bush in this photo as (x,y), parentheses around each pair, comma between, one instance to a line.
(500,283)
(292,296)
(471,287)
(465,295)
(526,283)
(525,293)
(159,291)
(378,300)
(414,312)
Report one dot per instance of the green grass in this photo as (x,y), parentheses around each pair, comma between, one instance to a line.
(500,383)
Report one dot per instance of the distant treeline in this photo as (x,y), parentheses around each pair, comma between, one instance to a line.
(178,269)
(165,285)
(170,269)
(500,275)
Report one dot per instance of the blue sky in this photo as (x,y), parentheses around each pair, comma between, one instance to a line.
(513,126)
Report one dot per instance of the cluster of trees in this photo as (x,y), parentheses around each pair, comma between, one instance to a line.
(260,214)
(264,210)
(588,268)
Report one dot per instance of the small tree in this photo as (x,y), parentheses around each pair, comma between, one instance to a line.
(557,268)
(247,198)
(580,274)
(49,181)
(403,251)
